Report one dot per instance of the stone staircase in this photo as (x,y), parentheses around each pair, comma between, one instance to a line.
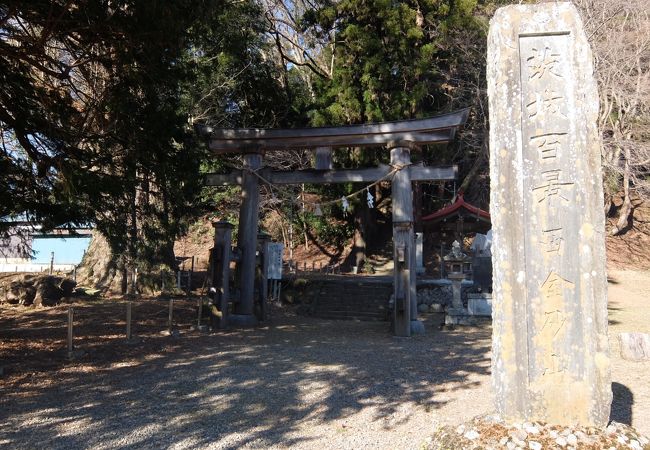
(352,298)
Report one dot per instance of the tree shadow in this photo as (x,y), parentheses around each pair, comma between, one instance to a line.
(249,387)
(333,256)
(610,309)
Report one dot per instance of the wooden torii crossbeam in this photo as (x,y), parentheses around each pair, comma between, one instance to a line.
(419,131)
(398,137)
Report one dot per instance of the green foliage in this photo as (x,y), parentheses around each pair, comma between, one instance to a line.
(99,136)
(233,83)
(300,283)
(327,230)
(294,292)
(96,99)
(395,60)
(153,279)
(389,58)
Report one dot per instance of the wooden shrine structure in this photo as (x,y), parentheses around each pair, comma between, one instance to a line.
(399,138)
(459,218)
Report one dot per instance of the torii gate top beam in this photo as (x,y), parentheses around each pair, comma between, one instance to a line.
(436,129)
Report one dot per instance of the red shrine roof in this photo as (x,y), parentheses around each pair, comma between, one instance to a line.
(457,208)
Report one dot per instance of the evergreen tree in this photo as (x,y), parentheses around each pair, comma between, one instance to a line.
(389,58)
(93,113)
(389,61)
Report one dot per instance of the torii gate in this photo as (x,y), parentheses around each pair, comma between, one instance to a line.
(398,137)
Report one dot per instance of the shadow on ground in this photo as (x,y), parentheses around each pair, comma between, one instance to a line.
(250,387)
(622,402)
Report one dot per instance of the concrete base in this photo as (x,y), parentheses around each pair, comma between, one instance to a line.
(417,327)
(458,316)
(76,354)
(173,333)
(466,320)
(479,304)
(242,320)
(460,320)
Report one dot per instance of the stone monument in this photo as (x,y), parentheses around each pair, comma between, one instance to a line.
(550,347)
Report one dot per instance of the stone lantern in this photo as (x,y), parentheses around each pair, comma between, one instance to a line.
(456,262)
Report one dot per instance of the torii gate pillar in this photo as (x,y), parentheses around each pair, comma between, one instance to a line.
(221,271)
(405,312)
(247,240)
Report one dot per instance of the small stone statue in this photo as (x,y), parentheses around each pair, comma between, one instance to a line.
(456,253)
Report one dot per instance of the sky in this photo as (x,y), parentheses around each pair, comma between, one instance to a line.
(67,250)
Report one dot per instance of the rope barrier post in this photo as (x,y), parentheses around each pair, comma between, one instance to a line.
(70,330)
(189,278)
(171,313)
(200,307)
(128,320)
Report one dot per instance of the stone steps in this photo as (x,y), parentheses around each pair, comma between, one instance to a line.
(359,311)
(352,316)
(347,299)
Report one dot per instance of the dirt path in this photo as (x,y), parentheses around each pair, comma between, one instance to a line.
(629,311)
(299,383)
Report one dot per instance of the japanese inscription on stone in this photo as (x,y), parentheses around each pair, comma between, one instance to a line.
(545,92)
(550,349)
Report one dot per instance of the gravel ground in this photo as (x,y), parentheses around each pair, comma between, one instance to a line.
(629,311)
(299,383)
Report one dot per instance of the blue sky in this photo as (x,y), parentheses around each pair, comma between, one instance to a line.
(67,250)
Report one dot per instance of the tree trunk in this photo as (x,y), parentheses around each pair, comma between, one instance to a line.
(285,238)
(626,208)
(359,248)
(133,239)
(168,257)
(609,204)
(478,164)
(417,206)
(125,280)
(302,217)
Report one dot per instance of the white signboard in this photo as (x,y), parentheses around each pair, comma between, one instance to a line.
(274,270)
(419,243)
